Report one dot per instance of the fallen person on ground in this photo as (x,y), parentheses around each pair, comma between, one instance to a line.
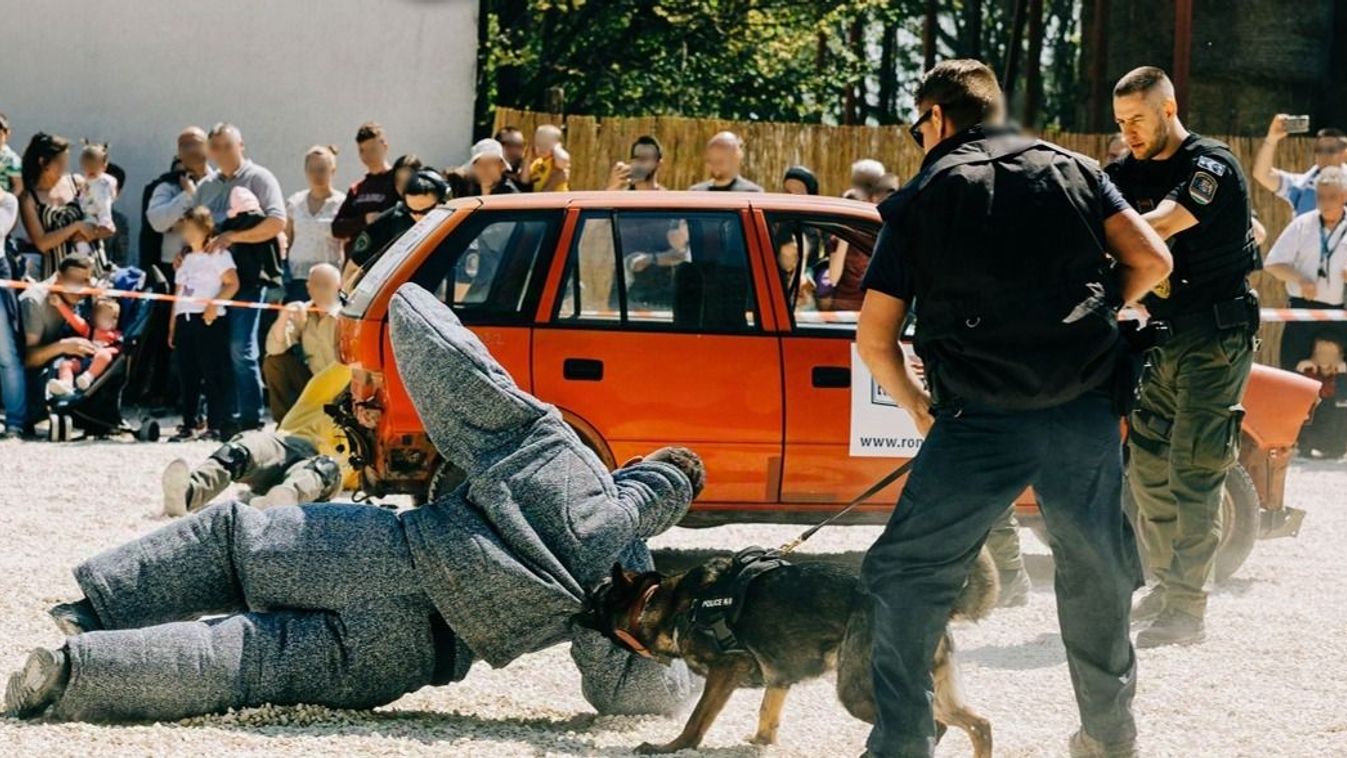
(306,460)
(350,606)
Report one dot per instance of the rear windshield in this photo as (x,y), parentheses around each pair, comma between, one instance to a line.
(391,260)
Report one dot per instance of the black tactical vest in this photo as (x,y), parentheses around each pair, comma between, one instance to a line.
(1212,258)
(1016,300)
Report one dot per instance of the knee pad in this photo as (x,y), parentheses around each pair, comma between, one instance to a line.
(329,472)
(234,457)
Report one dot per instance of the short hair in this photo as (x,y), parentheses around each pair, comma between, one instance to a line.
(410,160)
(965,89)
(201,218)
(868,166)
(75,260)
(507,129)
(726,138)
(427,182)
(4,123)
(368,131)
(118,173)
(224,127)
(648,139)
(108,304)
(551,129)
(325,269)
(1332,176)
(1333,133)
(1143,81)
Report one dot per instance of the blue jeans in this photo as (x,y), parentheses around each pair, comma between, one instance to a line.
(12,387)
(973,465)
(243,354)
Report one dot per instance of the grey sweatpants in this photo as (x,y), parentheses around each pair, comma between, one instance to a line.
(324,606)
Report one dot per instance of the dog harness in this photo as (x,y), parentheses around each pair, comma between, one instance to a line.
(715,612)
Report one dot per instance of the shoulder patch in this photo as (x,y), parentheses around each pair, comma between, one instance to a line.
(1211,164)
(362,242)
(1202,188)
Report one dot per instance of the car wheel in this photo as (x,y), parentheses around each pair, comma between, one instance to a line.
(1240,519)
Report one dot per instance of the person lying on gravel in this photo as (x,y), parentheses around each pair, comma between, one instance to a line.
(306,460)
(350,606)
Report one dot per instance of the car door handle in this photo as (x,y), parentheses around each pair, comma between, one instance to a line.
(582,369)
(832,377)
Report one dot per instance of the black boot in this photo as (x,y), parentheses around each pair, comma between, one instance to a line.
(75,618)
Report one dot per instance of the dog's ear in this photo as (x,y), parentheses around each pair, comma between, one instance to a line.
(621,579)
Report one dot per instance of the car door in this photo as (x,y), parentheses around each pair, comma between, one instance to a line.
(816,354)
(657,338)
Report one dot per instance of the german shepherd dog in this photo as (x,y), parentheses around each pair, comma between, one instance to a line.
(796,622)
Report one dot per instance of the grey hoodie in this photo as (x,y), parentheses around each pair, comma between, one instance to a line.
(506,557)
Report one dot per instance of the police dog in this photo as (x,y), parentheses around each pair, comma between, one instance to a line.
(795,623)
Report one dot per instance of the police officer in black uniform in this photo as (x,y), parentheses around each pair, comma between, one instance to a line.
(1184,434)
(1015,254)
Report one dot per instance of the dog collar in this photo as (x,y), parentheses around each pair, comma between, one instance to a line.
(628,636)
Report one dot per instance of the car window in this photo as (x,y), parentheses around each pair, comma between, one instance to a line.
(383,269)
(672,271)
(821,263)
(487,268)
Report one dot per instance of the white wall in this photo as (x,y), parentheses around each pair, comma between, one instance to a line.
(289,73)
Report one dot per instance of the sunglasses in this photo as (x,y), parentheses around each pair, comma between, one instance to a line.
(915,129)
(1327,150)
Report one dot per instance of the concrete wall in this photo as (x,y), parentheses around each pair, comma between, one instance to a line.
(289,73)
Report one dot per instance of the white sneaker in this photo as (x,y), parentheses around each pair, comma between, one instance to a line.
(84,380)
(276,496)
(57,388)
(177,480)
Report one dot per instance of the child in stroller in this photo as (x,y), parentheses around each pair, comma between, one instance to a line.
(94,404)
(80,373)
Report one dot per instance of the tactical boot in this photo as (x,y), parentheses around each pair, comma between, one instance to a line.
(1148,608)
(1173,627)
(1082,745)
(1015,586)
(75,618)
(38,684)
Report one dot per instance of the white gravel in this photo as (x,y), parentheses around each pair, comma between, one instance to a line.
(1270,680)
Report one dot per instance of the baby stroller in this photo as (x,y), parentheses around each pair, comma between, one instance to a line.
(97,411)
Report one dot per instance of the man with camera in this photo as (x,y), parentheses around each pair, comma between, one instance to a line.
(1330,149)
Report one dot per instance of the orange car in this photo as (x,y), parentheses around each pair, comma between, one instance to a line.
(656,318)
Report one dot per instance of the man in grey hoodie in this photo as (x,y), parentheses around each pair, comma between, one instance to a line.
(352,606)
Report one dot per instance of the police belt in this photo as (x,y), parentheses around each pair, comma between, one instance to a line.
(1221,317)
(715,612)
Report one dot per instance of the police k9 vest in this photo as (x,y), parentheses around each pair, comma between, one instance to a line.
(1015,298)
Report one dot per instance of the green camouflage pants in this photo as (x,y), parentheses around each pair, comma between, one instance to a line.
(1183,438)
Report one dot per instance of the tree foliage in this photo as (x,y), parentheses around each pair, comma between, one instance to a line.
(836,61)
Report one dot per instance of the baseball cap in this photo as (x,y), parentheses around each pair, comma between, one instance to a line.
(486,148)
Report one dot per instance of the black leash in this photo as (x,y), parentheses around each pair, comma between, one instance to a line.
(875,489)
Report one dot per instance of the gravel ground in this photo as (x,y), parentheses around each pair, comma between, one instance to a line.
(1270,680)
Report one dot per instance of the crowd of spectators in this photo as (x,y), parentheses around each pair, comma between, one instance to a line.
(218,225)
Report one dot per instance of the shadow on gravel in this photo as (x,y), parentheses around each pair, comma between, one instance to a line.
(1043,651)
(543,735)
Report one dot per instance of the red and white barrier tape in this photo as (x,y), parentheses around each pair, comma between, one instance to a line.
(116,293)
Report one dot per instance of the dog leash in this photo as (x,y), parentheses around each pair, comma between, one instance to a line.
(875,489)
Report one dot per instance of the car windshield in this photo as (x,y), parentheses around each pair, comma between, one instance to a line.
(390,261)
